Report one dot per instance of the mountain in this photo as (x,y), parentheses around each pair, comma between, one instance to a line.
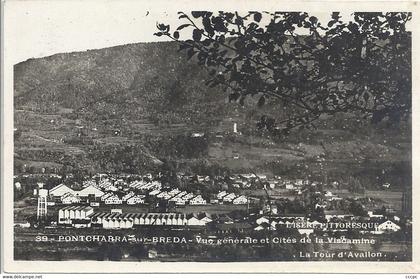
(130,108)
(136,80)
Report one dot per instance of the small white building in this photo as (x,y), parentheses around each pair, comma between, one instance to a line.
(106,195)
(220,195)
(289,186)
(127,196)
(113,199)
(174,192)
(107,186)
(261,220)
(154,192)
(69,198)
(136,199)
(197,200)
(88,183)
(229,197)
(187,196)
(387,226)
(240,200)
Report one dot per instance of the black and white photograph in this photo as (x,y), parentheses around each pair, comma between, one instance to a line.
(212,135)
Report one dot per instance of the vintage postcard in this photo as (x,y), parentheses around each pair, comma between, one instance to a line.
(219,136)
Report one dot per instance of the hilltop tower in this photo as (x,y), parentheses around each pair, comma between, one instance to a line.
(235,128)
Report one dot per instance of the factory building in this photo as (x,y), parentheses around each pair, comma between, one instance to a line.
(77,216)
(128,220)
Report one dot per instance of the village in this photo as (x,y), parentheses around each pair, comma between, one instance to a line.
(117,202)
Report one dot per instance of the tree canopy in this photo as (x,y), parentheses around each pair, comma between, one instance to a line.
(360,66)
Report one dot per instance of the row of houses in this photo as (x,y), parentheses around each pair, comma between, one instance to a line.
(60,190)
(306,226)
(108,195)
(121,185)
(225,197)
(179,197)
(145,186)
(129,198)
(84,216)
(76,216)
(128,220)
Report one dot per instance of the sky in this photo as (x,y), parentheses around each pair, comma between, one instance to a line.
(37,28)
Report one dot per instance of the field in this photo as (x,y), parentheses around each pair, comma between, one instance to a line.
(392,198)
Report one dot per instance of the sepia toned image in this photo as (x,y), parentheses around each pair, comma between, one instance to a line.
(216,136)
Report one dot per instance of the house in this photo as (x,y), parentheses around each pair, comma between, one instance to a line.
(152,254)
(248,176)
(136,199)
(127,196)
(162,195)
(294,217)
(373,214)
(180,194)
(330,214)
(262,176)
(180,202)
(289,186)
(214,200)
(240,200)
(220,195)
(223,218)
(387,226)
(193,220)
(90,190)
(60,190)
(187,196)
(154,192)
(306,231)
(23,224)
(106,195)
(197,135)
(320,205)
(229,197)
(120,183)
(174,192)
(261,220)
(197,200)
(299,182)
(205,217)
(232,228)
(107,185)
(386,185)
(113,199)
(135,184)
(263,226)
(328,194)
(272,183)
(70,198)
(89,183)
